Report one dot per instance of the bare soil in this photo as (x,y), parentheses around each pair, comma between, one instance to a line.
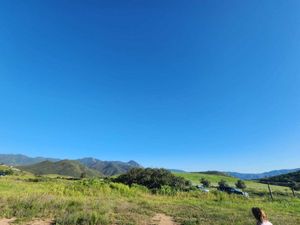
(162,219)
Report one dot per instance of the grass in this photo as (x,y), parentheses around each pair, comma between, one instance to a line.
(94,201)
(252,186)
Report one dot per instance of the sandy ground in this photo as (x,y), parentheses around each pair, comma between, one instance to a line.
(162,219)
(6,221)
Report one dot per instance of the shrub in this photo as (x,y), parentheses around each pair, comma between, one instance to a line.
(5,172)
(240,184)
(294,185)
(223,184)
(205,182)
(153,179)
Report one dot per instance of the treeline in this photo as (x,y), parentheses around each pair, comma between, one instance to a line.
(291,180)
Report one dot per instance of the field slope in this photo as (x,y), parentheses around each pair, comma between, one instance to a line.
(102,202)
(253,187)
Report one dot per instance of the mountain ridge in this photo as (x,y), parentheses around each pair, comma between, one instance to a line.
(254,176)
(70,168)
(106,168)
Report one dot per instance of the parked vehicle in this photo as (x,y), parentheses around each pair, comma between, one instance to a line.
(201,188)
(231,190)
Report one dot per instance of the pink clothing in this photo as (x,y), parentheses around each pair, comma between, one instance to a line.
(266,223)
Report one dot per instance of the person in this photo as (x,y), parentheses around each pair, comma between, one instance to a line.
(260,216)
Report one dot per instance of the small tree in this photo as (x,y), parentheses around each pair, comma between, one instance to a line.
(205,182)
(223,184)
(83,175)
(240,184)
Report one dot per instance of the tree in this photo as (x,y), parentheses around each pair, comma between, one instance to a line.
(153,179)
(83,175)
(223,184)
(240,184)
(205,182)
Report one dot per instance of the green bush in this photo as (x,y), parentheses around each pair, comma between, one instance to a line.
(205,182)
(222,184)
(153,179)
(240,184)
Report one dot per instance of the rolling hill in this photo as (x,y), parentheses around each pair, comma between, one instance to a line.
(252,186)
(65,167)
(284,180)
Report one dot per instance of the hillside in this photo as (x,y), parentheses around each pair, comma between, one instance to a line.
(22,160)
(252,186)
(285,179)
(64,167)
(214,172)
(254,176)
(109,168)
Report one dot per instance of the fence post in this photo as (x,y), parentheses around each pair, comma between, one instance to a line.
(293,191)
(270,191)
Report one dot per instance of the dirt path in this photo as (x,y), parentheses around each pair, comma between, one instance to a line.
(35,222)
(162,219)
(6,221)
(40,222)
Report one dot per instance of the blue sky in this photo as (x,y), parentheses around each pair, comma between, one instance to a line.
(194,85)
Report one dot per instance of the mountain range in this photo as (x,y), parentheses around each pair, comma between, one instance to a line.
(106,168)
(255,176)
(42,165)
(109,168)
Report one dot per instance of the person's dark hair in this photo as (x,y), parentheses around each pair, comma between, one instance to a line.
(259,214)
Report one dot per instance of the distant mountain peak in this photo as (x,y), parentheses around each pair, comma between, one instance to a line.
(133,163)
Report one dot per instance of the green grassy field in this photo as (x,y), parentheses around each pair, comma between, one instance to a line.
(252,186)
(94,201)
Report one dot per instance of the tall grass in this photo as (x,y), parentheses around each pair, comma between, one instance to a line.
(95,201)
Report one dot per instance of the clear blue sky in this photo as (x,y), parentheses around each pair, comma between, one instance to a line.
(195,85)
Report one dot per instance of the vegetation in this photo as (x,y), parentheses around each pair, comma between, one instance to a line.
(5,170)
(295,186)
(289,180)
(154,179)
(65,167)
(222,184)
(205,182)
(240,184)
(103,202)
(256,176)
